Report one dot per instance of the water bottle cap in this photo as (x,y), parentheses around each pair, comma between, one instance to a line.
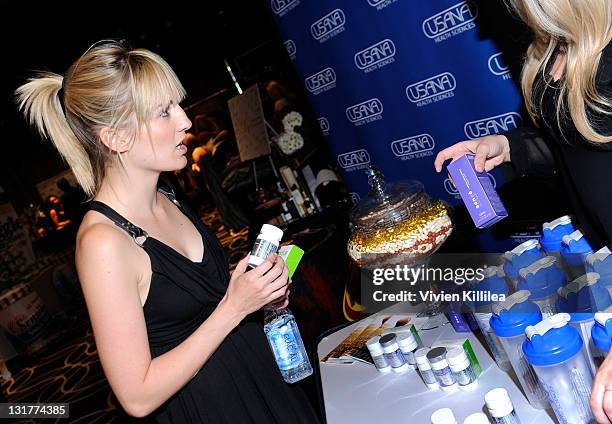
(443,416)
(477,418)
(564,220)
(545,262)
(551,341)
(272,233)
(374,346)
(511,317)
(498,402)
(541,328)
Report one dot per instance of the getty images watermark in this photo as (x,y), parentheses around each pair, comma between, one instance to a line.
(448,279)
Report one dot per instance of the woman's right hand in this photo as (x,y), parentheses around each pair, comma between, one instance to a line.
(490,151)
(248,291)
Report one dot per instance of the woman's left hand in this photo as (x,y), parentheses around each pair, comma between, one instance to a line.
(601,394)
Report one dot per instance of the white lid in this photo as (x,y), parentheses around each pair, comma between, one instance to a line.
(457,359)
(518,297)
(529,244)
(490,271)
(583,281)
(576,235)
(391,347)
(602,317)
(440,365)
(477,418)
(270,232)
(544,262)
(542,327)
(563,292)
(374,346)
(406,341)
(443,416)
(600,255)
(498,402)
(565,219)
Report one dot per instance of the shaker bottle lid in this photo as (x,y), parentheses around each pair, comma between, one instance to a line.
(498,402)
(271,232)
(551,341)
(583,281)
(601,255)
(602,331)
(575,243)
(443,416)
(477,418)
(564,220)
(531,244)
(511,317)
(521,256)
(545,262)
(493,282)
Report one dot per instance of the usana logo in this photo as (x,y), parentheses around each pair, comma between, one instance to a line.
(291,49)
(492,125)
(356,159)
(324,124)
(498,66)
(328,26)
(417,146)
(281,7)
(433,89)
(355,198)
(321,81)
(451,189)
(380,4)
(365,112)
(375,56)
(450,22)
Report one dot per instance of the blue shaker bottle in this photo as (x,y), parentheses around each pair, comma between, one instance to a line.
(543,279)
(509,320)
(554,349)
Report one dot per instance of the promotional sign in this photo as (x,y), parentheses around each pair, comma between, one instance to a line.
(249,124)
(393,82)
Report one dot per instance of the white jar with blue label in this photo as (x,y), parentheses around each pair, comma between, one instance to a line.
(574,251)
(509,321)
(554,349)
(542,279)
(601,334)
(521,256)
(493,282)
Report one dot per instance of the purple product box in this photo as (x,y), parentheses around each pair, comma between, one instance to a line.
(477,192)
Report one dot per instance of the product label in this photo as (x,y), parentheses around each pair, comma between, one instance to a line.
(261,250)
(380,361)
(285,347)
(582,394)
(499,354)
(395,359)
(428,376)
(445,376)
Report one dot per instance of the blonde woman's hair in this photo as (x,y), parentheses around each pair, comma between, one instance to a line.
(110,86)
(583,28)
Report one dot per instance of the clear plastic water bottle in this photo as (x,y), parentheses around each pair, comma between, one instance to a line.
(286,344)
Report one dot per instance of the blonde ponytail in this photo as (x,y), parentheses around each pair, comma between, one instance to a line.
(39,101)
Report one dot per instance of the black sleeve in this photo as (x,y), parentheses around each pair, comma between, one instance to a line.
(529,153)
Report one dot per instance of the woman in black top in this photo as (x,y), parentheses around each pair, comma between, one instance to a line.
(176,335)
(567,86)
(569,105)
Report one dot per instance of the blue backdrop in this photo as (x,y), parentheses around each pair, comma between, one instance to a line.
(395,81)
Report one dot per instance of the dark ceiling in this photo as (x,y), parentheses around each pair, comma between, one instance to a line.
(194,37)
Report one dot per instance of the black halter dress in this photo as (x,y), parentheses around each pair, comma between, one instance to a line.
(240,383)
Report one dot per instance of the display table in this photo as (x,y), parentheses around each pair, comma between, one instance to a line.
(358,393)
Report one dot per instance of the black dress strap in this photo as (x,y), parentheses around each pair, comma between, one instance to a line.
(138,234)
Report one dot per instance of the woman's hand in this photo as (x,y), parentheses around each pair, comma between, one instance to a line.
(601,394)
(249,291)
(490,152)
